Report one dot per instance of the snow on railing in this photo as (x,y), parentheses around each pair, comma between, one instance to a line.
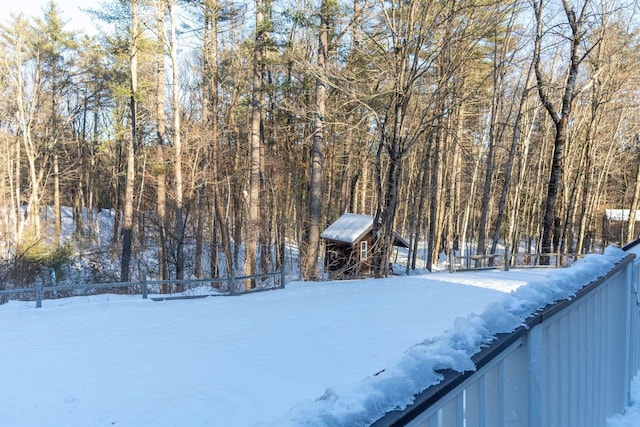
(570,364)
(559,351)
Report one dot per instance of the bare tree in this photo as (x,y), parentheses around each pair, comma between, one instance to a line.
(219,221)
(177,142)
(318,148)
(160,171)
(127,233)
(24,81)
(255,165)
(635,201)
(577,52)
(400,128)
(502,57)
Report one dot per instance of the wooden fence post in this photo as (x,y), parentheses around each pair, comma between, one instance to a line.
(282,278)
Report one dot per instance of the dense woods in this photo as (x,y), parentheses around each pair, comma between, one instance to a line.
(221,133)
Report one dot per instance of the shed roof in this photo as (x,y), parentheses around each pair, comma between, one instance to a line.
(350,228)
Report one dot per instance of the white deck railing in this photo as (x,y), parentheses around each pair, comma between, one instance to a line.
(570,367)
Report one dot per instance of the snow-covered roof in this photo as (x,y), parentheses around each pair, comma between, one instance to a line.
(349,228)
(619,214)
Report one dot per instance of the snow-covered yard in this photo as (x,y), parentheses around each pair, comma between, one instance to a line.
(273,358)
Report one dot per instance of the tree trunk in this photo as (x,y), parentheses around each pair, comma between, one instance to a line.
(550,214)
(515,140)
(560,117)
(464,248)
(219,223)
(160,170)
(485,205)
(127,231)
(424,185)
(496,96)
(252,228)
(635,202)
(161,210)
(177,145)
(516,214)
(17,193)
(434,187)
(317,152)
(56,199)
(383,223)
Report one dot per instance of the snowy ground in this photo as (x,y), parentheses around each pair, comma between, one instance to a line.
(631,416)
(260,359)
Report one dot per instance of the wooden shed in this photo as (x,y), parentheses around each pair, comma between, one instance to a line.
(348,243)
(614,225)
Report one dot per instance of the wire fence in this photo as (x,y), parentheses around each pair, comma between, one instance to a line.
(156,289)
(508,260)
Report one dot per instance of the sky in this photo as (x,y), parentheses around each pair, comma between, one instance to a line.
(277,358)
(71,13)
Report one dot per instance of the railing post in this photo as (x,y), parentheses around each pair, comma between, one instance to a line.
(537,382)
(629,336)
(145,291)
(282,277)
(38,294)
